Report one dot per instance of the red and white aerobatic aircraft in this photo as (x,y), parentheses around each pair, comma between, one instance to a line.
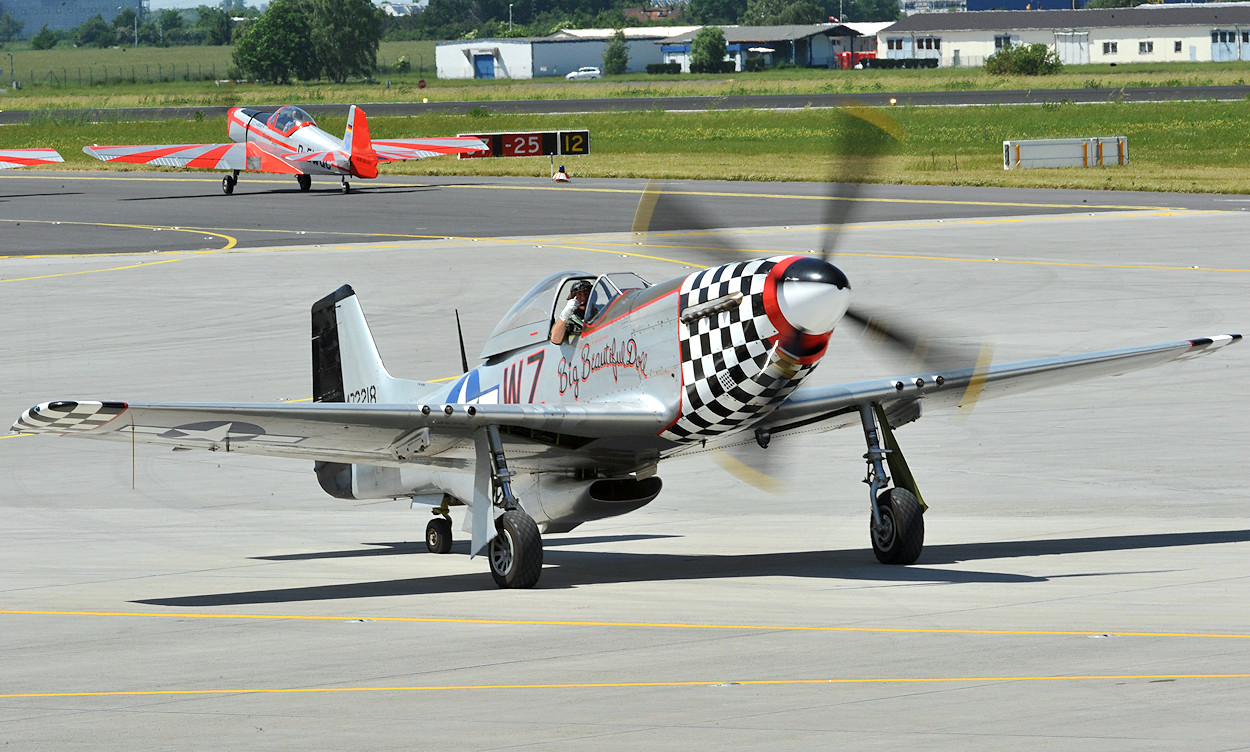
(28,157)
(289,142)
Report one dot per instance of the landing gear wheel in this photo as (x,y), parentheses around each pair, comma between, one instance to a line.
(227,184)
(901,535)
(347,187)
(305,182)
(438,535)
(516,553)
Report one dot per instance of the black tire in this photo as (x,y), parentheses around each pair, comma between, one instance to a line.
(516,554)
(438,535)
(347,187)
(902,535)
(305,182)
(227,185)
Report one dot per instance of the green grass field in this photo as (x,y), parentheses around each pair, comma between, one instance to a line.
(1197,146)
(1188,147)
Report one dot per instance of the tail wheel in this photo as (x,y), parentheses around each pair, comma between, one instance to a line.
(438,535)
(516,553)
(900,536)
(305,182)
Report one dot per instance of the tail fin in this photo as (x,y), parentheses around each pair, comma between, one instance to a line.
(346,363)
(359,144)
(347,368)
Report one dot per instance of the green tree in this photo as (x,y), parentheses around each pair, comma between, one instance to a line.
(708,50)
(46,39)
(345,37)
(782,12)
(278,45)
(10,27)
(711,12)
(867,11)
(1024,60)
(616,54)
(215,24)
(94,32)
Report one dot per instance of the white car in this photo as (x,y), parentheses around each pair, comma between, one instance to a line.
(588,71)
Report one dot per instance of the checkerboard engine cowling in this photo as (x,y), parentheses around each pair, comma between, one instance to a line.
(728,374)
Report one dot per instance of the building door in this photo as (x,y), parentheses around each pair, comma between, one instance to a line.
(1223,46)
(1073,47)
(483,66)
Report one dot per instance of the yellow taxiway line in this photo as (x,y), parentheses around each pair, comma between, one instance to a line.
(626,624)
(626,685)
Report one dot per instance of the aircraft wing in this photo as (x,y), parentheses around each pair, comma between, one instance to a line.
(963,388)
(27,157)
(233,156)
(400,149)
(334,432)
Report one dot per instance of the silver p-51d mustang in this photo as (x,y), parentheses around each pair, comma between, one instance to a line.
(544,436)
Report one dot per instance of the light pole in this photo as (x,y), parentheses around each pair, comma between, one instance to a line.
(509,18)
(11,70)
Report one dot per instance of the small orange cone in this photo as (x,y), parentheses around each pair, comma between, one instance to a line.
(560,175)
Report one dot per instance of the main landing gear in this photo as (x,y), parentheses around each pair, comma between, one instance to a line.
(515,552)
(229,181)
(347,187)
(305,182)
(896,527)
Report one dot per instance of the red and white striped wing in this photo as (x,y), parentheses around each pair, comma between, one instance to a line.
(206,156)
(27,157)
(400,149)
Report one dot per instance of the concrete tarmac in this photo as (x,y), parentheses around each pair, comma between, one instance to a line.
(1084,583)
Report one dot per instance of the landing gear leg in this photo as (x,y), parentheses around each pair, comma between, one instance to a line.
(515,547)
(229,181)
(305,182)
(438,538)
(347,187)
(897,524)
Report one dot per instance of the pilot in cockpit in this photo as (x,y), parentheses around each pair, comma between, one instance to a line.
(570,320)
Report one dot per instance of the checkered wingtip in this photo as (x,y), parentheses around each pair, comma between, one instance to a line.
(67,417)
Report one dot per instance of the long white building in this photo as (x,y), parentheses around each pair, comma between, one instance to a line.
(1145,34)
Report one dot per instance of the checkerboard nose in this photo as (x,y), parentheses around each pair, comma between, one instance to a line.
(812,295)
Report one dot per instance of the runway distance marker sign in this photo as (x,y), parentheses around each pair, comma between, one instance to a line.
(533,144)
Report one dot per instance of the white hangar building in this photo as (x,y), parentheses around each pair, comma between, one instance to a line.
(556,55)
(1145,34)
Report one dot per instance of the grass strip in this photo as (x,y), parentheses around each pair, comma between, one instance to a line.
(1182,147)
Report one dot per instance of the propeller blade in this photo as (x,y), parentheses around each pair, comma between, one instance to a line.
(864,135)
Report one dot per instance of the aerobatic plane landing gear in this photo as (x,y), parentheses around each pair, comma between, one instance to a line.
(347,187)
(516,552)
(229,181)
(896,527)
(305,182)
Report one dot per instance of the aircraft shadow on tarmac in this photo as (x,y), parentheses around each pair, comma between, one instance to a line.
(410,547)
(316,192)
(579,568)
(7,196)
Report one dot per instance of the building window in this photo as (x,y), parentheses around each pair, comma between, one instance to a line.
(1145,48)
(1110,48)
(929,43)
(1001,41)
(1245,37)
(894,43)
(1223,37)
(1176,47)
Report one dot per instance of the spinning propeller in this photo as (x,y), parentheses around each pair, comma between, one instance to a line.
(864,135)
(813,294)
